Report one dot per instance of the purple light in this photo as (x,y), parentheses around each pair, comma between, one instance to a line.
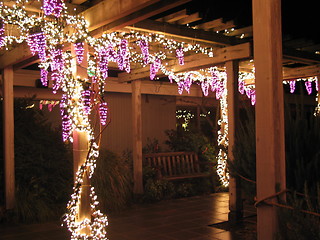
(241,86)
(123,56)
(248,92)
(103,63)
(79,49)
(180,56)
(205,87)
(57,63)
(317,84)
(2,41)
(214,83)
(292,86)
(308,85)
(144,45)
(37,43)
(44,77)
(180,86)
(57,66)
(171,78)
(86,100)
(188,83)
(56,78)
(52,7)
(154,68)
(253,96)
(103,112)
(219,89)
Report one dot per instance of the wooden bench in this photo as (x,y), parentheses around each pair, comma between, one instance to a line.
(175,165)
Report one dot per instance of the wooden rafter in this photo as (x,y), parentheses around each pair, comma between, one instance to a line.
(174,16)
(189,19)
(183,32)
(212,24)
(117,19)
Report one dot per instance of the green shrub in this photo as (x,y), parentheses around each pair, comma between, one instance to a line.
(43,167)
(112,181)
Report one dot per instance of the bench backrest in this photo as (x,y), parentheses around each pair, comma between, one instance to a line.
(173,163)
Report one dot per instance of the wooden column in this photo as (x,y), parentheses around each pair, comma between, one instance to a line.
(235,200)
(80,152)
(81,147)
(137,137)
(8,137)
(270,146)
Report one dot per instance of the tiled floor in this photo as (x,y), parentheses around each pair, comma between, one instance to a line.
(179,219)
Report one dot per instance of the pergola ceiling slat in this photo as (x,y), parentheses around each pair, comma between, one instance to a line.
(174,16)
(189,19)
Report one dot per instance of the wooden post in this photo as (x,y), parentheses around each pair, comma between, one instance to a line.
(81,141)
(80,152)
(8,137)
(235,199)
(137,137)
(270,147)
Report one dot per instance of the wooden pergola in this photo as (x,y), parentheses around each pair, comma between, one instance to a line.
(233,48)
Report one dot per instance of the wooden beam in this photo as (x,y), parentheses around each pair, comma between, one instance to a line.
(211,24)
(235,198)
(8,137)
(137,137)
(270,147)
(301,56)
(190,19)
(309,71)
(183,32)
(194,62)
(120,15)
(174,16)
(227,25)
(17,54)
(247,31)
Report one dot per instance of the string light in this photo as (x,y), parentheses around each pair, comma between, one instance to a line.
(45,37)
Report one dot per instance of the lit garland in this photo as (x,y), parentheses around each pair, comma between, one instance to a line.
(45,38)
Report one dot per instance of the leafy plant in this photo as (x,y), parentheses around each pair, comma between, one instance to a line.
(43,167)
(112,181)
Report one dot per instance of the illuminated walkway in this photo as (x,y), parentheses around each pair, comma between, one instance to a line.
(179,219)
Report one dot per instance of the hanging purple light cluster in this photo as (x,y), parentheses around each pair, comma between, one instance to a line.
(37,43)
(308,85)
(144,45)
(103,112)
(241,86)
(2,37)
(44,77)
(180,56)
(123,58)
(292,86)
(154,68)
(180,87)
(103,62)
(66,120)
(57,66)
(219,86)
(52,7)
(86,101)
(205,87)
(79,49)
